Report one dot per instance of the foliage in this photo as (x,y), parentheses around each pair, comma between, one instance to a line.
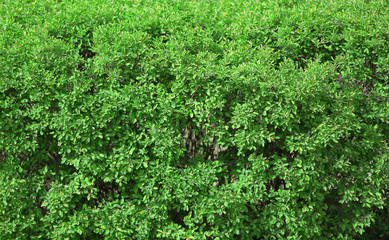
(193,119)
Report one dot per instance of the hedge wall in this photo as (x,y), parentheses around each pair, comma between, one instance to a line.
(194,119)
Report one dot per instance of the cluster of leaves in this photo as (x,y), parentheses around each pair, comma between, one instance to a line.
(193,119)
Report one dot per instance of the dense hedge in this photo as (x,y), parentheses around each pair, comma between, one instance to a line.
(194,119)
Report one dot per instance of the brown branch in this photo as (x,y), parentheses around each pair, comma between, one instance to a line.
(198,87)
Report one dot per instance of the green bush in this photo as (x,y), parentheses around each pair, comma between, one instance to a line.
(194,119)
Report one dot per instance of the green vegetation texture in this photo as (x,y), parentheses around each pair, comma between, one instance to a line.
(173,119)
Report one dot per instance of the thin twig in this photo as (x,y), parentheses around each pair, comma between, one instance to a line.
(198,87)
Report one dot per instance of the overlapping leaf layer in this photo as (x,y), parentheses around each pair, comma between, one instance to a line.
(194,119)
